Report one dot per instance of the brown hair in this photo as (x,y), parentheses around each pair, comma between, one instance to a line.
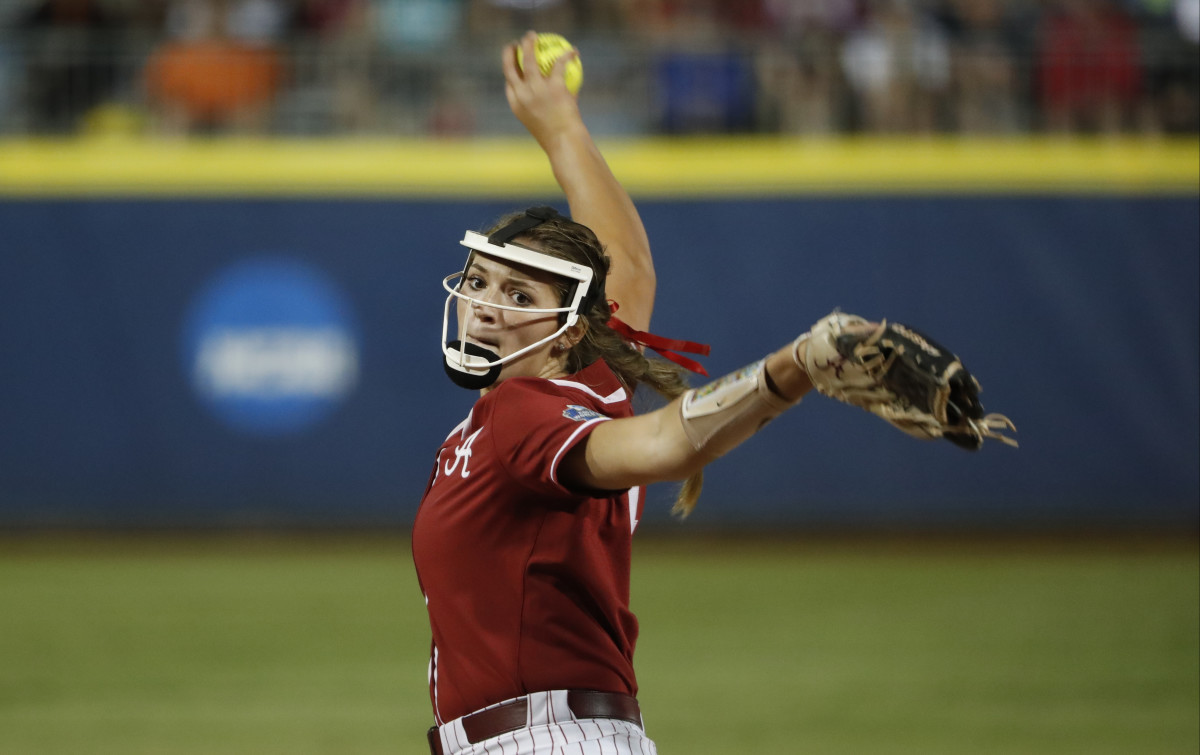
(564,238)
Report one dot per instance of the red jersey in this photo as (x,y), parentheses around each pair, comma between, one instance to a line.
(526,582)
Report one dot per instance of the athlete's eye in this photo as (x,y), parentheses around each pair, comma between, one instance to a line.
(476,283)
(521,298)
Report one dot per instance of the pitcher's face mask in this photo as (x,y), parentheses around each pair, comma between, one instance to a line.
(473,366)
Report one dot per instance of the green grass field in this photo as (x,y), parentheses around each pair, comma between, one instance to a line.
(273,645)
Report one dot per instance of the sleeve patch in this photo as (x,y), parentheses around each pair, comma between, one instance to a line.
(580,413)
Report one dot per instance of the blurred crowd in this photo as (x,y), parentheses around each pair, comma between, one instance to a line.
(430,67)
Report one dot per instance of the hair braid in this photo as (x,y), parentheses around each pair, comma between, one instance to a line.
(634,369)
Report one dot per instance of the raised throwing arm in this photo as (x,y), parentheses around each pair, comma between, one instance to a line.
(596,198)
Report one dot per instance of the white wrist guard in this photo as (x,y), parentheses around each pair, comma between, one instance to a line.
(720,415)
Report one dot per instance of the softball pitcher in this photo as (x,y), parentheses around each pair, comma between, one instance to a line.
(522,542)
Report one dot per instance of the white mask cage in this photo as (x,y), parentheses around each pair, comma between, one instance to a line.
(481,364)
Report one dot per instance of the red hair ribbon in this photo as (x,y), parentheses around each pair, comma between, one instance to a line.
(666,347)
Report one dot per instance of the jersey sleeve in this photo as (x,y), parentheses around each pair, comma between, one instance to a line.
(533,426)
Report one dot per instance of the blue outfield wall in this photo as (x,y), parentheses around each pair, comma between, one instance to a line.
(147,376)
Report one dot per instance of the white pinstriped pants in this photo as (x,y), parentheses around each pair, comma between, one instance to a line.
(553,730)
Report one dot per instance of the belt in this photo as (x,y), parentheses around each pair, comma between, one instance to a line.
(514,715)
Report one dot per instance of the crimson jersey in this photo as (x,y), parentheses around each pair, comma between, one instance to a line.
(526,582)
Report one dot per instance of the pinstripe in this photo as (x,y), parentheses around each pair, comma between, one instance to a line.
(551,729)
(543,743)
(554,726)
(586,724)
(524,741)
(453,734)
(539,741)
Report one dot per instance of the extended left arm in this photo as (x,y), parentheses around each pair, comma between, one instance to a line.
(679,439)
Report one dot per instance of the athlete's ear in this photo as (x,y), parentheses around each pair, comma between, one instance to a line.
(574,334)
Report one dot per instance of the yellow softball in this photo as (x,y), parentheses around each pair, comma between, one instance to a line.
(549,48)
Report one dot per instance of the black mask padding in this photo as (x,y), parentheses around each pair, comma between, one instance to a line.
(470,380)
(594,295)
(534,216)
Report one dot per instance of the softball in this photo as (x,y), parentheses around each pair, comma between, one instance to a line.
(549,48)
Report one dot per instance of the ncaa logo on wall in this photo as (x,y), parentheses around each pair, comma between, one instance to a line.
(270,346)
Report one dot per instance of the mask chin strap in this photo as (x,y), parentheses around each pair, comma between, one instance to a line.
(472,381)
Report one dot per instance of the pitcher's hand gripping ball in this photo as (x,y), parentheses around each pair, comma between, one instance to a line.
(901,376)
(548,49)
